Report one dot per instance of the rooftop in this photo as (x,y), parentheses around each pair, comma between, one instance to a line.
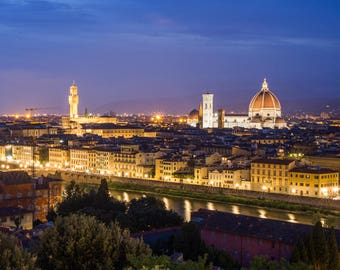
(315,170)
(273,161)
(15,177)
(282,231)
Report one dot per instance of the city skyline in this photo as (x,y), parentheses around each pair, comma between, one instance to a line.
(155,52)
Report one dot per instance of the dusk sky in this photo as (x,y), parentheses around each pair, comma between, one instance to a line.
(152,51)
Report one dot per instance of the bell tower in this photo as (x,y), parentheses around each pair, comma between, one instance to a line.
(73,100)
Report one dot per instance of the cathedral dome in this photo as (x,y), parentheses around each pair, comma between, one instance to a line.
(194,113)
(265,104)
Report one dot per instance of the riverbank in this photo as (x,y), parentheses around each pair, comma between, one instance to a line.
(224,195)
(222,198)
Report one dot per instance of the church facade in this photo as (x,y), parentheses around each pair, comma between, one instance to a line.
(264,112)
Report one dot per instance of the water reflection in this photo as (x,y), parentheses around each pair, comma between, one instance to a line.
(323,221)
(235,209)
(263,213)
(184,207)
(126,197)
(166,203)
(187,210)
(210,206)
(291,218)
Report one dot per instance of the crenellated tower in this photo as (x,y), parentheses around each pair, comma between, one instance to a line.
(73,100)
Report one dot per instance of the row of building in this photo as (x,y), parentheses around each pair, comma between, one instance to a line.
(284,176)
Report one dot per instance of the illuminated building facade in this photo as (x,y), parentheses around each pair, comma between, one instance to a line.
(58,157)
(111,130)
(271,175)
(166,168)
(22,153)
(83,159)
(73,121)
(73,100)
(314,182)
(264,112)
(207,110)
(2,152)
(229,178)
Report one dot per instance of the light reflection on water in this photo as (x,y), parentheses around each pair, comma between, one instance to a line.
(184,207)
(126,197)
(263,213)
(166,203)
(187,210)
(210,206)
(235,209)
(291,218)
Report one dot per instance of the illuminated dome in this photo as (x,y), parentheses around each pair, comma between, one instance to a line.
(265,104)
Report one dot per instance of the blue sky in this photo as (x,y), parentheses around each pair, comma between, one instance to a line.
(122,50)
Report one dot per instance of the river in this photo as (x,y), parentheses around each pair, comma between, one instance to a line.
(184,207)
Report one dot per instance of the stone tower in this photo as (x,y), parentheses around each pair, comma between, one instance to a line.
(208,110)
(73,100)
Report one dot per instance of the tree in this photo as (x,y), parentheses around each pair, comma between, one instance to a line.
(13,257)
(82,242)
(51,215)
(103,196)
(300,252)
(333,263)
(189,241)
(263,263)
(320,247)
(73,190)
(147,213)
(148,262)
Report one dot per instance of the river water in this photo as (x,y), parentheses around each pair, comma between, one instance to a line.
(184,207)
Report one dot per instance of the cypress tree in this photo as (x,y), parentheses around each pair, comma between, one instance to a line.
(103,195)
(320,247)
(333,263)
(296,254)
(309,246)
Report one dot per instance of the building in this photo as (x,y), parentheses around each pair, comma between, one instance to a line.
(73,121)
(58,157)
(18,189)
(15,216)
(73,100)
(208,110)
(2,152)
(264,112)
(265,109)
(244,237)
(109,130)
(165,169)
(314,182)
(271,175)
(235,178)
(31,130)
(83,159)
(23,154)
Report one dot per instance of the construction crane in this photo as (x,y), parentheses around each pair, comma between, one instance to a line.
(31,110)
